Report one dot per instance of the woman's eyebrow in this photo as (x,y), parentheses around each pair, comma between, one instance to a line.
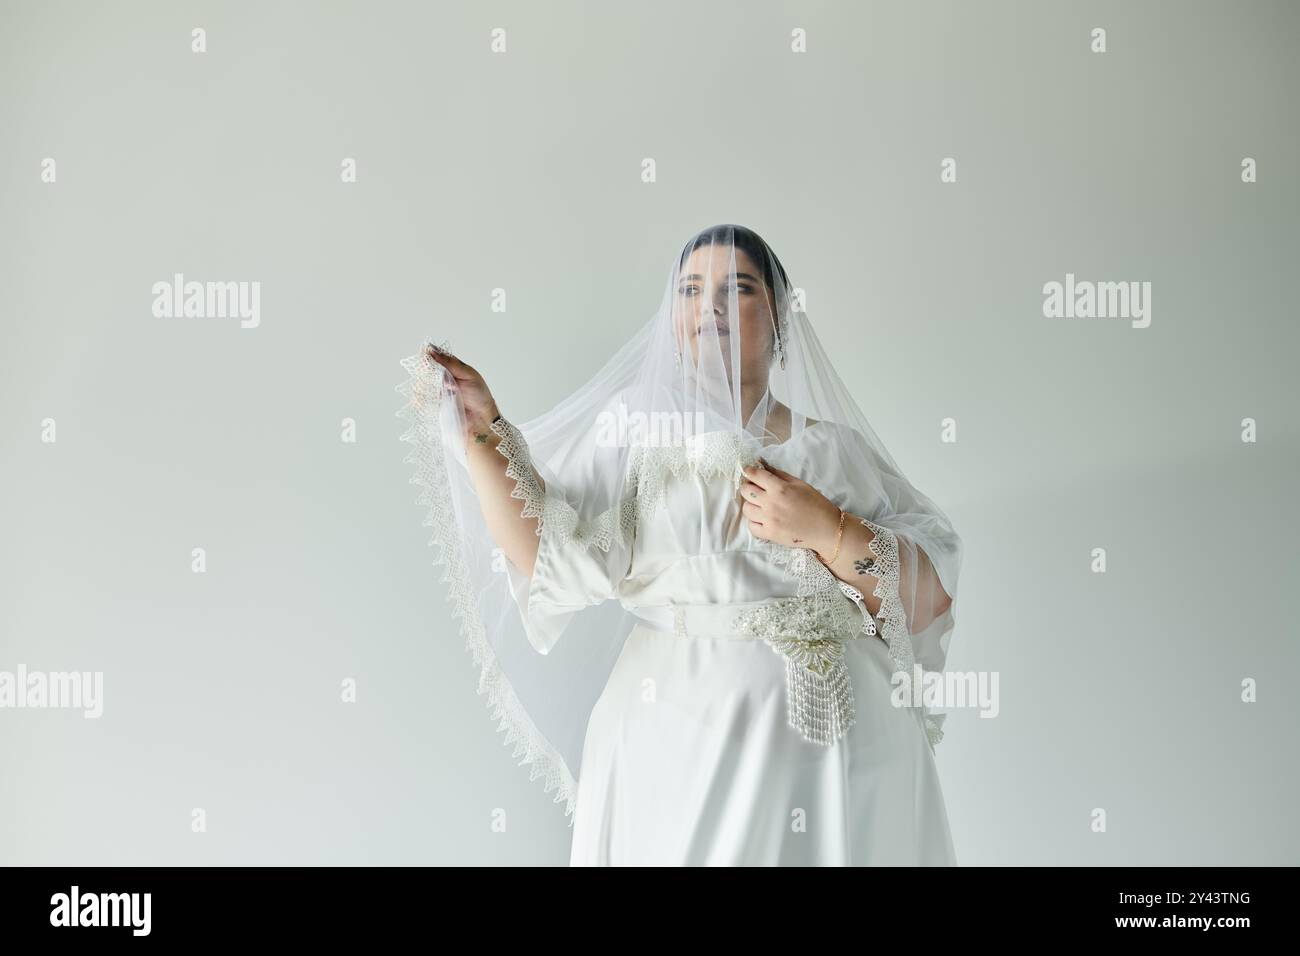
(739,275)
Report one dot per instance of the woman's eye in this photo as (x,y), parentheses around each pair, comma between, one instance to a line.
(695,290)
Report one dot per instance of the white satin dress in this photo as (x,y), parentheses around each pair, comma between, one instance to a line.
(689,756)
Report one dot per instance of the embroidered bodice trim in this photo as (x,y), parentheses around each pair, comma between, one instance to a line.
(819,691)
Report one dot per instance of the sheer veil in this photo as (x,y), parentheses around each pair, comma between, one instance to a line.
(726,369)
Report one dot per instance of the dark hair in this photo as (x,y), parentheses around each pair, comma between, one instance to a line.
(755,246)
(744,239)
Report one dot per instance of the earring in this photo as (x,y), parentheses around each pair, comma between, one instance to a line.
(677,359)
(778,347)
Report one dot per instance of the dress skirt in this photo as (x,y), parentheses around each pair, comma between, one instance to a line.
(689,760)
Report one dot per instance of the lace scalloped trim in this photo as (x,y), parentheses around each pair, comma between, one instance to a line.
(519,467)
(893,619)
(556,517)
(885,567)
(814,580)
(934,728)
(710,455)
(424,391)
(650,468)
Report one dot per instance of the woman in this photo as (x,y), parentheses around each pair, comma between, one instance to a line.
(695,585)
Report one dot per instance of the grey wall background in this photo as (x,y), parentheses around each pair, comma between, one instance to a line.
(521,170)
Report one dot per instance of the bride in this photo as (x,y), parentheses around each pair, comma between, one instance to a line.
(690,585)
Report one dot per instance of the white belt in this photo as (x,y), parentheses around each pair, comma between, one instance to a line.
(776,618)
(808,632)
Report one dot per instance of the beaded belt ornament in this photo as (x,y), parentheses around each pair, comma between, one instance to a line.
(810,636)
(809,633)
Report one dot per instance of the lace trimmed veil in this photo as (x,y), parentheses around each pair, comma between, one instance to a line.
(726,365)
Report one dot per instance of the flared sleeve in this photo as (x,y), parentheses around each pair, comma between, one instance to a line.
(579,562)
(914,556)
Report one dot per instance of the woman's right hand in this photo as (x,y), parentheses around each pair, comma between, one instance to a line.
(476,399)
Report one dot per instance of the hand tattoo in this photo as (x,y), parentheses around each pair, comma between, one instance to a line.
(865,565)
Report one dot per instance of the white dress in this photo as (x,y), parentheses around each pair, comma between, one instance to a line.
(689,756)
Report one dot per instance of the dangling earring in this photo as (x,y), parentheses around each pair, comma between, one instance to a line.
(677,358)
(778,347)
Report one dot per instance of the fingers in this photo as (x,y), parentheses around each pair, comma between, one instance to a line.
(459,372)
(445,358)
(777,471)
(762,477)
(751,491)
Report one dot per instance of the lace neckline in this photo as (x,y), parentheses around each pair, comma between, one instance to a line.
(732,436)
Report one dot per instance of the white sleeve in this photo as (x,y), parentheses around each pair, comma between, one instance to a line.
(579,563)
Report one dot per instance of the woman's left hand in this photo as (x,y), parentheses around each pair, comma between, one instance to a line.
(787,510)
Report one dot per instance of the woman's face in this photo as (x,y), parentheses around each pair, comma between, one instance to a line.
(702,303)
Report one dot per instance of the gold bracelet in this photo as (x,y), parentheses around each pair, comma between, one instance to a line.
(839,538)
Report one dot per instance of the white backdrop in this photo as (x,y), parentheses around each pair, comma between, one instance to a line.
(131,439)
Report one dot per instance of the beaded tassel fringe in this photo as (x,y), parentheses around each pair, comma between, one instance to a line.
(819,694)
